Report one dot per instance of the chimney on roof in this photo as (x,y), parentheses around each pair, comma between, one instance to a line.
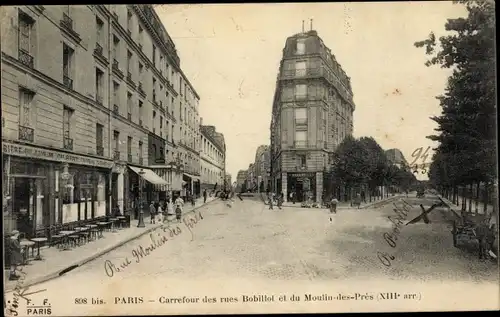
(311,25)
(302,26)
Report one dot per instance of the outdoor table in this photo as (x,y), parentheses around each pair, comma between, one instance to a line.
(113,220)
(102,225)
(121,220)
(25,244)
(92,231)
(38,241)
(66,233)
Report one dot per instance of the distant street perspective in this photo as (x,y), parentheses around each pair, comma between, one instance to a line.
(288,164)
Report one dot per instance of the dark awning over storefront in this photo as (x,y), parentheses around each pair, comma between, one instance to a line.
(192,176)
(149,175)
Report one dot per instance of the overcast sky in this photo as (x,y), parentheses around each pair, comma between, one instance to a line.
(231,55)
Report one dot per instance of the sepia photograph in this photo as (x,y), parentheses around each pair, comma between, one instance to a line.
(243,158)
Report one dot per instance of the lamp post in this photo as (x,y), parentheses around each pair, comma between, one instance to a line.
(141,210)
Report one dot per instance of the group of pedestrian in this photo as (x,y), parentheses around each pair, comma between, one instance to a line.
(277,199)
(166,210)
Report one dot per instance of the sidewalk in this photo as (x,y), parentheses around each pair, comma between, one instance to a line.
(347,204)
(55,262)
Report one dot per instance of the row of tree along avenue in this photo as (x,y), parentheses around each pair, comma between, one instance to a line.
(464,164)
(361,166)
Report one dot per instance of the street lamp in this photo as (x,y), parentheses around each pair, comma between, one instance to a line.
(141,210)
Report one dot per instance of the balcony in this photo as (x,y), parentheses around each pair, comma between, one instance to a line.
(26,134)
(68,144)
(66,25)
(301,121)
(141,90)
(129,158)
(99,150)
(116,155)
(99,54)
(129,80)
(116,110)
(67,82)
(129,116)
(25,58)
(300,144)
(116,69)
(140,122)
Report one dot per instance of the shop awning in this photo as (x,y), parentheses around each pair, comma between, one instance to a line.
(192,176)
(149,175)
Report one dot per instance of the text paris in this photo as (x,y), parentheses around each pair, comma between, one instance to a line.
(158,238)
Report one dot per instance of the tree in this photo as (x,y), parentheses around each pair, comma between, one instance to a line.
(467,125)
(377,162)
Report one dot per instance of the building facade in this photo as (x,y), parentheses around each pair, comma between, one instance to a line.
(212,158)
(262,167)
(396,157)
(241,179)
(76,139)
(312,113)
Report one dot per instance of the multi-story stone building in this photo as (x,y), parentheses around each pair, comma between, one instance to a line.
(92,96)
(228,181)
(212,157)
(396,157)
(312,113)
(262,167)
(241,179)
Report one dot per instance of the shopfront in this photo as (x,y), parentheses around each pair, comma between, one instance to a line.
(303,184)
(43,187)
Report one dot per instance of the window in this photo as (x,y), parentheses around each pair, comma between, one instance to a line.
(300,138)
(67,114)
(99,30)
(129,147)
(154,119)
(300,116)
(116,139)
(154,55)
(99,75)
(154,90)
(129,22)
(129,106)
(302,160)
(300,91)
(140,113)
(301,46)
(140,37)
(68,54)
(116,95)
(161,126)
(129,63)
(300,69)
(161,64)
(140,150)
(116,49)
(141,71)
(99,135)
(26,41)
(26,108)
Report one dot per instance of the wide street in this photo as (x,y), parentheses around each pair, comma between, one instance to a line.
(249,249)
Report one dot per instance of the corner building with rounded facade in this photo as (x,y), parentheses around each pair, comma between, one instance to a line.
(312,113)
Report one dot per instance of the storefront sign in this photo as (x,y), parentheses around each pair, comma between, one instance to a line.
(51,155)
(301,174)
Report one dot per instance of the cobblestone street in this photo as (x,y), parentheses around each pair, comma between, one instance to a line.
(249,243)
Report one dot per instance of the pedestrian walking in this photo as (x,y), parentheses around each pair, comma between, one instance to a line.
(152,211)
(160,213)
(204,196)
(193,201)
(179,203)
(270,198)
(280,200)
(333,205)
(16,254)
(170,209)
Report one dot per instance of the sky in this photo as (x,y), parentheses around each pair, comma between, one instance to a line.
(231,55)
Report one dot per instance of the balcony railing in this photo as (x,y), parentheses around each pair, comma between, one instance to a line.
(67,22)
(116,155)
(116,109)
(129,158)
(140,122)
(100,150)
(300,144)
(129,116)
(26,134)
(301,121)
(141,91)
(116,69)
(99,53)
(68,82)
(68,144)
(129,79)
(26,58)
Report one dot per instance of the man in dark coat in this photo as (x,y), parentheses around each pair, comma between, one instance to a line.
(16,256)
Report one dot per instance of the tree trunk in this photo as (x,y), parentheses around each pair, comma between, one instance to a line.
(464,202)
(470,197)
(485,198)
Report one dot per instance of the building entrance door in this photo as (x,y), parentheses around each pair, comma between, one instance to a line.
(28,204)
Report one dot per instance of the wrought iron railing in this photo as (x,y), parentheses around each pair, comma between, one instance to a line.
(67,22)
(99,150)
(141,90)
(116,109)
(98,49)
(68,82)
(26,58)
(26,134)
(68,143)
